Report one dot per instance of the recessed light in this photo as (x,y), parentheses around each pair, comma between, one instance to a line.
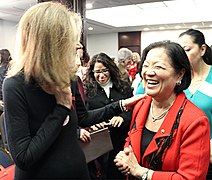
(177,27)
(90,28)
(161,28)
(146,29)
(194,26)
(89,6)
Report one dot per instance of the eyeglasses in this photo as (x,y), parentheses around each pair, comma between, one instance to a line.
(103,71)
(79,48)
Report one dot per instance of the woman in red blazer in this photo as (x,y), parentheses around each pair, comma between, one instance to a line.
(169,136)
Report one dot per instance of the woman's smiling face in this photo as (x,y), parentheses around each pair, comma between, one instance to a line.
(101,73)
(159,77)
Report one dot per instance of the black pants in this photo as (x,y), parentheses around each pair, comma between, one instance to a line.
(209,175)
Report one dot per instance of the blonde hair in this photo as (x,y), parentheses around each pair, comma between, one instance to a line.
(46,44)
(137,56)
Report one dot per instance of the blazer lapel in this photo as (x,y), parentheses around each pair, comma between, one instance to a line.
(166,126)
(138,122)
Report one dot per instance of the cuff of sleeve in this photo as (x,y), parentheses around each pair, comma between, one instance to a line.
(61,111)
(63,107)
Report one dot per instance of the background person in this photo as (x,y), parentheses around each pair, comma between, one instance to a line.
(170,136)
(199,92)
(103,85)
(134,65)
(5,59)
(83,59)
(124,61)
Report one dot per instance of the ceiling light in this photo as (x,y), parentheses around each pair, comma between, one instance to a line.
(117,16)
(156,13)
(177,27)
(161,28)
(194,26)
(89,6)
(90,28)
(146,29)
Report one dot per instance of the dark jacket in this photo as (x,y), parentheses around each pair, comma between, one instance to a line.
(118,135)
(39,142)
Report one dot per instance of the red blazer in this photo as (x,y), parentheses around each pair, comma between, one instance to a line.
(188,157)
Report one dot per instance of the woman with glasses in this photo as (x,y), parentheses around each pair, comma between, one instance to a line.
(103,85)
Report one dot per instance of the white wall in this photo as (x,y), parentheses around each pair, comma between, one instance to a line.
(149,37)
(8,33)
(108,43)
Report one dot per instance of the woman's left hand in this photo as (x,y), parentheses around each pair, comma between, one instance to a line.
(85,135)
(127,162)
(132,161)
(116,121)
(121,162)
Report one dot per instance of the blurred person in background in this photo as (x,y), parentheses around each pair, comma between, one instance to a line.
(5,62)
(124,61)
(137,80)
(200,90)
(83,59)
(134,65)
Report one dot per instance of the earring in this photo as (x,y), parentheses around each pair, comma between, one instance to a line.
(178,83)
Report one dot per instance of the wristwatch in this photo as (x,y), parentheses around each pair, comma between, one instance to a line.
(145,175)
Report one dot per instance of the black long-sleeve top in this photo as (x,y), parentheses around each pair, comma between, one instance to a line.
(117,134)
(39,143)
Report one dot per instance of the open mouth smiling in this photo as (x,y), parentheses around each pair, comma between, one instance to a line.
(152,82)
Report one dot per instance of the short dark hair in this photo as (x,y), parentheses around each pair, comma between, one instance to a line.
(199,39)
(179,61)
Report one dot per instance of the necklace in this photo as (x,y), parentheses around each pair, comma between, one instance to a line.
(195,84)
(159,116)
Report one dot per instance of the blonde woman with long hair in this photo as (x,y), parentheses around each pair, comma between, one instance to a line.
(43,106)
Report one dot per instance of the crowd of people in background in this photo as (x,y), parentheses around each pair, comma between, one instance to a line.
(5,62)
(55,96)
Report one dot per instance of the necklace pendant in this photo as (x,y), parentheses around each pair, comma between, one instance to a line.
(161,116)
(153,119)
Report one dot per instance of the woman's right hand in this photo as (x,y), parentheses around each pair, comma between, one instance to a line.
(63,96)
(85,135)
